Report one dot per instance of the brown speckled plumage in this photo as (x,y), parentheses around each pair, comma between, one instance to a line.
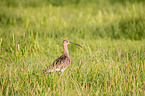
(61,63)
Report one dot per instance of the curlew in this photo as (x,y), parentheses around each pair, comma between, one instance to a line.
(61,63)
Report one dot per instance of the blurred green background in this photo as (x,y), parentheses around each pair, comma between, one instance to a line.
(111,62)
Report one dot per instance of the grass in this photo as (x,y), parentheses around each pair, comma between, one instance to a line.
(111,62)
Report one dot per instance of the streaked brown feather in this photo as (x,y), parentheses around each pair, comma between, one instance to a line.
(60,63)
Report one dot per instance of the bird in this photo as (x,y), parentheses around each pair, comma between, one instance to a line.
(61,63)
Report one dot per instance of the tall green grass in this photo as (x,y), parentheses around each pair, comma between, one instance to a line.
(111,62)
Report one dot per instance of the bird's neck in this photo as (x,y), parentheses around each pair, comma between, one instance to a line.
(65,50)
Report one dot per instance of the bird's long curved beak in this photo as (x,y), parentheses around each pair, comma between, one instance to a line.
(75,44)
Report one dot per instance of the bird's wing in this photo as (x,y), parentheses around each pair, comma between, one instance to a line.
(58,63)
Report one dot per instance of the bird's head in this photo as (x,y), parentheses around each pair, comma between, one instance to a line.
(67,42)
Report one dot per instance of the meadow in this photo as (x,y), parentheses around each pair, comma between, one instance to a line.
(110,62)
